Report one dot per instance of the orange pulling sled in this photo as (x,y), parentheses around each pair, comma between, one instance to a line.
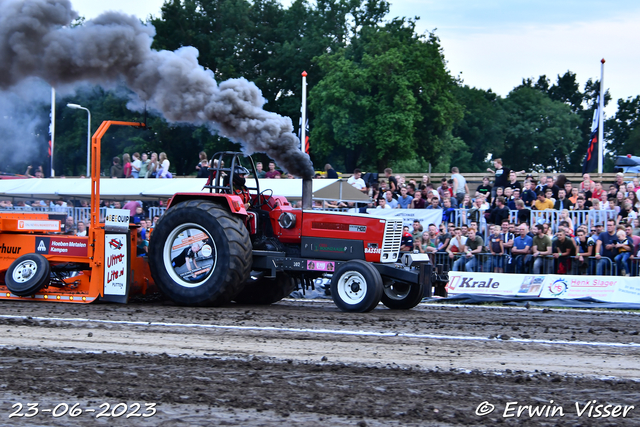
(39,263)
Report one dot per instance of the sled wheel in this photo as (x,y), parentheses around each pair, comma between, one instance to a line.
(200,254)
(356,286)
(27,275)
(401,295)
(265,291)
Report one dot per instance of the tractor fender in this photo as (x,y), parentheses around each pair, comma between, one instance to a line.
(233,203)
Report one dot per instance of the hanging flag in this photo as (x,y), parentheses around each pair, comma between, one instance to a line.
(52,130)
(304,145)
(306,137)
(591,159)
(304,120)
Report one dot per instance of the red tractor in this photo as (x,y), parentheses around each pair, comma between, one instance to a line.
(237,243)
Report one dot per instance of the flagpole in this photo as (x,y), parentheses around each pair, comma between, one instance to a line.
(600,118)
(304,112)
(52,128)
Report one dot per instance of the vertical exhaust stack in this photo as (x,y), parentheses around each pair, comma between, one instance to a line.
(307,192)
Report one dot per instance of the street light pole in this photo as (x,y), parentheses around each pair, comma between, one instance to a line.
(80,107)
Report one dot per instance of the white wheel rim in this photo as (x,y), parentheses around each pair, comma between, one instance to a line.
(352,287)
(397,291)
(174,244)
(25,271)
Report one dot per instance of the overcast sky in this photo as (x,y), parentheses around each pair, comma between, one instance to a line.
(494,44)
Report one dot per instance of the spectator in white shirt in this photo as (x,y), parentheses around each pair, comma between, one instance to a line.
(357,181)
(390,201)
(136,165)
(383,204)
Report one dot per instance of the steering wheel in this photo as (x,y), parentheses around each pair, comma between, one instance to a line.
(265,198)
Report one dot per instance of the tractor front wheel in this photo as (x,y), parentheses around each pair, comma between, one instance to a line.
(356,286)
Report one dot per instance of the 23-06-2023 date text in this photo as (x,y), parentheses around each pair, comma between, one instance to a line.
(29,410)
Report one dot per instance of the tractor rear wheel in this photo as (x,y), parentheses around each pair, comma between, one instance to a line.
(401,295)
(265,291)
(200,254)
(356,286)
(27,275)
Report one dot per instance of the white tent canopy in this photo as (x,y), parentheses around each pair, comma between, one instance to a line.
(153,189)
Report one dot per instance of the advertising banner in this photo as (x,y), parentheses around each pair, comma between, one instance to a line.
(603,288)
(39,225)
(62,245)
(117,220)
(425,216)
(628,290)
(115,269)
(494,284)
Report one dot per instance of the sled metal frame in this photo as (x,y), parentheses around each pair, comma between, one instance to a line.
(89,285)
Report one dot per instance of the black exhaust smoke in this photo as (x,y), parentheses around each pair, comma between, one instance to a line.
(36,40)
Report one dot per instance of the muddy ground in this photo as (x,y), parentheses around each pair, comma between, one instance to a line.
(304,363)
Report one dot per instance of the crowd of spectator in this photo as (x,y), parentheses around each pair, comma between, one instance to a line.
(489,228)
(272,172)
(491,220)
(514,247)
(76,225)
(152,165)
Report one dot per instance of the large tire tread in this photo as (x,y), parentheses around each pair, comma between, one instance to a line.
(412,299)
(265,291)
(240,249)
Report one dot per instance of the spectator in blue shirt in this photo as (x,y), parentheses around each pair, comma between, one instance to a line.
(605,247)
(595,233)
(521,249)
(404,201)
(448,212)
(435,203)
(528,196)
(511,203)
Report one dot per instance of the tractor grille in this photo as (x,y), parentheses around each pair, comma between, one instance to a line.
(392,240)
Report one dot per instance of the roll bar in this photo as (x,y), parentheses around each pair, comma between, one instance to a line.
(96,142)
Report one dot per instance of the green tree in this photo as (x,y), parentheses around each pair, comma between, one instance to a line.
(582,104)
(541,133)
(482,129)
(219,29)
(385,96)
(308,31)
(622,130)
(264,42)
(181,142)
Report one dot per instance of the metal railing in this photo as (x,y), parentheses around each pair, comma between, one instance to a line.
(79,213)
(156,211)
(634,266)
(485,262)
(528,264)
(586,217)
(47,209)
